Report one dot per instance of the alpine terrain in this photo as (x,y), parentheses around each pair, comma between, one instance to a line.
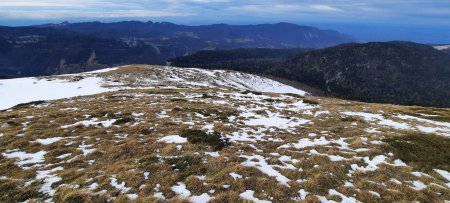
(142,133)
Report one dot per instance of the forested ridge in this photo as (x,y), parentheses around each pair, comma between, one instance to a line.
(386,72)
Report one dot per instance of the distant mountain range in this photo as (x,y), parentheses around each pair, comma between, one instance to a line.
(67,48)
(393,72)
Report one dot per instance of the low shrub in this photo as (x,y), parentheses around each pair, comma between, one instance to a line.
(215,139)
(422,151)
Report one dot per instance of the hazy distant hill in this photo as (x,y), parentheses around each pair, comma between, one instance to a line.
(394,72)
(28,51)
(281,35)
(67,48)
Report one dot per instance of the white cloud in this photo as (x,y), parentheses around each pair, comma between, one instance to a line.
(322,7)
(64,14)
(218,10)
(34,4)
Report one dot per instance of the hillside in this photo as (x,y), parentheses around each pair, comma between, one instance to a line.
(28,51)
(393,72)
(217,36)
(163,134)
(71,48)
(248,60)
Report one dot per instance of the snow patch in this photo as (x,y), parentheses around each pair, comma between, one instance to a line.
(119,186)
(25,158)
(260,163)
(48,178)
(24,90)
(173,139)
(48,141)
(249,195)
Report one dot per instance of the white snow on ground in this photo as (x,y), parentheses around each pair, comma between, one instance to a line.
(303,194)
(261,84)
(366,116)
(203,198)
(372,164)
(213,154)
(132,196)
(394,124)
(48,178)
(343,197)
(275,120)
(260,163)
(444,174)
(24,90)
(407,117)
(418,185)
(157,193)
(331,157)
(245,137)
(408,123)
(306,142)
(63,156)
(119,186)
(92,122)
(26,158)
(322,141)
(84,148)
(180,189)
(249,195)
(442,47)
(104,70)
(235,175)
(173,139)
(48,141)
(93,186)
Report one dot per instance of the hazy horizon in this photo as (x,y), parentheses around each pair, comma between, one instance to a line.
(424,21)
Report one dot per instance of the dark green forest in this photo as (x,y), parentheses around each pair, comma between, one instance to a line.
(392,72)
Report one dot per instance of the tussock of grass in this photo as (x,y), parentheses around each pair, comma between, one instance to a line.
(206,96)
(10,192)
(215,139)
(425,152)
(149,160)
(251,92)
(28,104)
(187,165)
(295,95)
(309,101)
(178,100)
(79,196)
(123,120)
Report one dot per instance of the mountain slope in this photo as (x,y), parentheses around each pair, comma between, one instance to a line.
(28,51)
(392,72)
(218,36)
(396,72)
(70,48)
(167,141)
(24,90)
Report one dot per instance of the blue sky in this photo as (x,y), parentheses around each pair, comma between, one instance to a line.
(419,16)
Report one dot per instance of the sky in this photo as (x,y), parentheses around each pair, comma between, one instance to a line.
(418,20)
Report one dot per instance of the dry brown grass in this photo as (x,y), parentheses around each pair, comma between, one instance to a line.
(129,149)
